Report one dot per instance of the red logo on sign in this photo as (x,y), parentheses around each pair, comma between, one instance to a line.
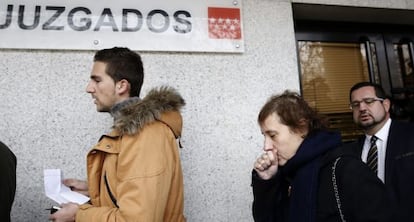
(224,23)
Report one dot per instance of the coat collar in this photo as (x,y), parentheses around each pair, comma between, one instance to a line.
(160,104)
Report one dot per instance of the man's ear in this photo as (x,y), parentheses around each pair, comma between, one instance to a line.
(122,86)
(387,104)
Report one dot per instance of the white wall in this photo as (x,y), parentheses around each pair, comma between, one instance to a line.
(49,121)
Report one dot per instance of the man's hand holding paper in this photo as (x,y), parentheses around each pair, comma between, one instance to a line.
(61,193)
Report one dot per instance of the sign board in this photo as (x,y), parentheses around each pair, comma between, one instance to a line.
(156,25)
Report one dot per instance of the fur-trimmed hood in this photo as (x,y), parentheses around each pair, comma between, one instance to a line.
(162,104)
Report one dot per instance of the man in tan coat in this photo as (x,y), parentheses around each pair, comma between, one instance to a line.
(134,172)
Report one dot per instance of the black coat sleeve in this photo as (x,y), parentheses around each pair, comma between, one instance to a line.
(361,192)
(7,182)
(269,198)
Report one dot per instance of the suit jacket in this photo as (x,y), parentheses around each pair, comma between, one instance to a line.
(399,167)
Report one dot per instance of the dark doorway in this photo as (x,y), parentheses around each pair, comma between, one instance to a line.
(338,50)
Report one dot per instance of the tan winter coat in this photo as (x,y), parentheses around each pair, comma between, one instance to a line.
(140,161)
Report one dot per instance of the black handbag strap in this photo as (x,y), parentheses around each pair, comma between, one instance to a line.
(336,190)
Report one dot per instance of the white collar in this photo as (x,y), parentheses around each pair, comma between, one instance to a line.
(382,134)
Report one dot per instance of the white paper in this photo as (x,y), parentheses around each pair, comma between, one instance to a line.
(59,192)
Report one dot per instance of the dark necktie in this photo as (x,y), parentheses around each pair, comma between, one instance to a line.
(372,159)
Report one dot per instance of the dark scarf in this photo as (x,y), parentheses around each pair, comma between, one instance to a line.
(303,170)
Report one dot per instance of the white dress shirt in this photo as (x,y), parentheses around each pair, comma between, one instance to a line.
(382,135)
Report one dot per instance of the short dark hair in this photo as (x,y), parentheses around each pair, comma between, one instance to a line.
(122,63)
(292,109)
(379,91)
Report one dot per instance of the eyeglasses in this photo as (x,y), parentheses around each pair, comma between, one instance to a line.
(368,101)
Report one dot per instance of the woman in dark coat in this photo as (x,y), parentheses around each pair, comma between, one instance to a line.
(305,175)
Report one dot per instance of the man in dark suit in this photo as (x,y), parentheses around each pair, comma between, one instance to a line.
(7,181)
(391,154)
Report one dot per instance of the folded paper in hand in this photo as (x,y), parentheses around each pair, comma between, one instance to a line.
(59,192)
